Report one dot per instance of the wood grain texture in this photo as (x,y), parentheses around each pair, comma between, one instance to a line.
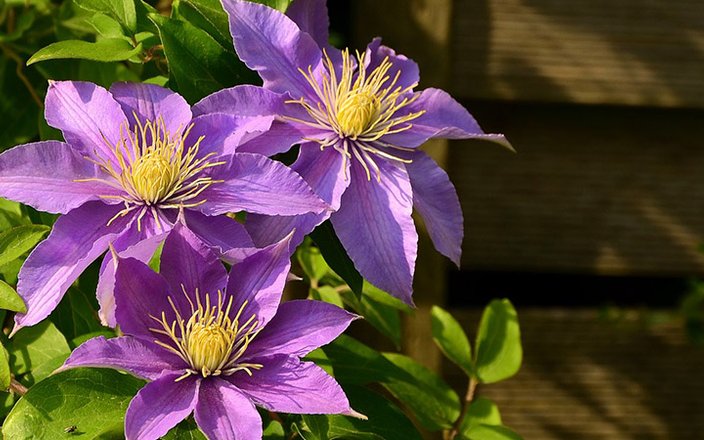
(591,190)
(631,52)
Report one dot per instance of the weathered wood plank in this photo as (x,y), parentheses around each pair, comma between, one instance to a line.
(585,51)
(606,190)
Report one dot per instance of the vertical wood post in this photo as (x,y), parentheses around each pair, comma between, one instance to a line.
(419,29)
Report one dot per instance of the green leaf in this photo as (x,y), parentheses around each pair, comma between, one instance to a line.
(273,431)
(336,256)
(384,318)
(123,11)
(106,50)
(281,5)
(92,401)
(16,241)
(316,426)
(22,24)
(327,294)
(186,430)
(481,411)
(452,340)
(498,348)
(209,16)
(424,393)
(5,374)
(385,420)
(18,110)
(355,363)
(37,349)
(77,313)
(106,26)
(10,300)
(312,262)
(490,432)
(199,64)
(11,214)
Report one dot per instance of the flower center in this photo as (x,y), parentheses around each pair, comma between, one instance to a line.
(210,342)
(356,112)
(359,108)
(155,169)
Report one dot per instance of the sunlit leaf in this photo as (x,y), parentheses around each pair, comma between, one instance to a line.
(109,49)
(498,347)
(10,300)
(18,240)
(452,340)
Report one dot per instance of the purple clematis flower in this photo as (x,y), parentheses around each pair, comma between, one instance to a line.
(359,124)
(135,157)
(214,344)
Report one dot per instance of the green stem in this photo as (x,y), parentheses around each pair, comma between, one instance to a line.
(469,397)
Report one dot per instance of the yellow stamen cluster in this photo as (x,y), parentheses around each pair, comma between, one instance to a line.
(155,169)
(359,108)
(210,342)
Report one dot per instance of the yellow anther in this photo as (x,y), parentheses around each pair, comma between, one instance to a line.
(210,342)
(155,169)
(356,112)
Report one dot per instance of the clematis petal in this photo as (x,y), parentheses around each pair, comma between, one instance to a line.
(160,406)
(131,245)
(300,327)
(273,45)
(150,102)
(188,264)
(257,184)
(220,232)
(326,173)
(259,281)
(435,198)
(443,118)
(87,114)
(135,356)
(260,106)
(311,16)
(286,384)
(221,134)
(140,294)
(406,69)
(375,226)
(223,412)
(78,238)
(43,175)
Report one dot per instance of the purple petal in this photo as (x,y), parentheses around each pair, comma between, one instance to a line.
(43,175)
(140,293)
(150,102)
(311,16)
(188,264)
(223,412)
(259,280)
(326,173)
(273,45)
(221,134)
(219,232)
(406,69)
(257,184)
(137,357)
(160,406)
(261,107)
(443,118)
(135,245)
(286,384)
(374,225)
(78,238)
(87,114)
(434,197)
(300,327)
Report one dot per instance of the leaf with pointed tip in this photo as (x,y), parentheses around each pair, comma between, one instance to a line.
(498,351)
(18,240)
(10,300)
(451,339)
(106,50)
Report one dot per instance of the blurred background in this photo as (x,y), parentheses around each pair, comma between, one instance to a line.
(593,229)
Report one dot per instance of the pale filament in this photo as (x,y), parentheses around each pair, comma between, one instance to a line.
(209,341)
(154,169)
(359,108)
